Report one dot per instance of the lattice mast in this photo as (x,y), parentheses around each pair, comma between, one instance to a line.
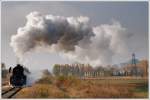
(134,64)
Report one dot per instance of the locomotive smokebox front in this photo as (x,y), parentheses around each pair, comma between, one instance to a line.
(18,78)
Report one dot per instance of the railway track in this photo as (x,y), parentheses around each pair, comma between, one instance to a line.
(11,92)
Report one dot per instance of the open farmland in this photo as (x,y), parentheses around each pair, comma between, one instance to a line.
(71,87)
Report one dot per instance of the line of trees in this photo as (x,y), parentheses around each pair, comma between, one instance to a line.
(82,70)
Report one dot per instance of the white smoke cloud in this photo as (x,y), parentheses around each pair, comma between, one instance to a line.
(109,40)
(73,37)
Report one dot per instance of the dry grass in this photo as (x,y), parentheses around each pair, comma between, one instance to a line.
(71,87)
(41,91)
(92,90)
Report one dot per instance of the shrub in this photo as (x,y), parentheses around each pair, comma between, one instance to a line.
(66,81)
(45,80)
(41,91)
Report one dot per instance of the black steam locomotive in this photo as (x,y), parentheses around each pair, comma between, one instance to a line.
(18,78)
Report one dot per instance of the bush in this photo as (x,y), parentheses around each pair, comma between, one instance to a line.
(45,80)
(41,91)
(66,81)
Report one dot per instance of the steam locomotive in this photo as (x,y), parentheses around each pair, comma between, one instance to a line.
(18,78)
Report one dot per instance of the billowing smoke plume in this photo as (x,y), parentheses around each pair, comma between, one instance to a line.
(72,37)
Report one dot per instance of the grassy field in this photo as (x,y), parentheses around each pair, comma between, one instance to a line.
(71,87)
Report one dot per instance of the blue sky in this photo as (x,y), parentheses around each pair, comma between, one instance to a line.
(132,15)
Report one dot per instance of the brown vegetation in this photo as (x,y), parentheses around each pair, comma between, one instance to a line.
(41,91)
(71,87)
